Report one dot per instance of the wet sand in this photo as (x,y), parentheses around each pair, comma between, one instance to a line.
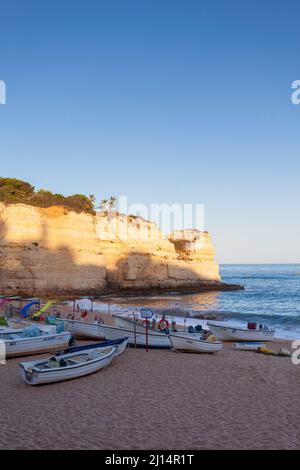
(158,400)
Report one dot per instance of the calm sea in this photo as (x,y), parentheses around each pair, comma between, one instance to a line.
(271,296)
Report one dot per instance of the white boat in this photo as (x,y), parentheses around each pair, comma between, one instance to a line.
(83,329)
(134,325)
(17,343)
(138,338)
(67,366)
(129,323)
(249,346)
(196,345)
(232,333)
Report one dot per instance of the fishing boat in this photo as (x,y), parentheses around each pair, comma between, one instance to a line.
(120,345)
(83,329)
(67,366)
(138,338)
(134,325)
(32,341)
(231,333)
(194,344)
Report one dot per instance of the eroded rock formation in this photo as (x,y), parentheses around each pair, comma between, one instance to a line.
(58,252)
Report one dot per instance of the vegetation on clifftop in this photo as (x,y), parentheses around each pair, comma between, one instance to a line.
(15,191)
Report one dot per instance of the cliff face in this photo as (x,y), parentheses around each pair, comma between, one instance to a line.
(52,251)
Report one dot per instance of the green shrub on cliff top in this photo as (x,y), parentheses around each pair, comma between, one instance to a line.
(13,191)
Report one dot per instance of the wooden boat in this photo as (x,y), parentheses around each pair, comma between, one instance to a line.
(83,329)
(120,345)
(249,346)
(196,345)
(67,366)
(17,343)
(231,333)
(138,338)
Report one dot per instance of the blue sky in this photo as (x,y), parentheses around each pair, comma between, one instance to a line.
(163,101)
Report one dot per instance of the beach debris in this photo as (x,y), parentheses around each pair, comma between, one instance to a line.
(283,352)
(265,350)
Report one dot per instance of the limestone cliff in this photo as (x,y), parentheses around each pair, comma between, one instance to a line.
(54,251)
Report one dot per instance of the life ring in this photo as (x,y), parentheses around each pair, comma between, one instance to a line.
(163,324)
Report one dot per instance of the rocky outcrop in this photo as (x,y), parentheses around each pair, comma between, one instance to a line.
(55,251)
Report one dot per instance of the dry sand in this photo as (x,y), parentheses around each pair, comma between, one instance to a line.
(158,400)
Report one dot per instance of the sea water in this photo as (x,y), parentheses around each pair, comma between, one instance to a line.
(271,296)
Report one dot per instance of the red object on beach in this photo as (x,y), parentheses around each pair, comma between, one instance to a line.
(146,334)
(163,324)
(84,315)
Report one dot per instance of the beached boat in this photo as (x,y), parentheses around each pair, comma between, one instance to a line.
(67,366)
(120,345)
(83,329)
(230,333)
(196,345)
(20,343)
(134,325)
(128,323)
(138,338)
(249,346)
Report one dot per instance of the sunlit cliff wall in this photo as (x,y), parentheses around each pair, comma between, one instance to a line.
(58,252)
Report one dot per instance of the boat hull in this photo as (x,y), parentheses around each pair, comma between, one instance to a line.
(183,343)
(83,330)
(61,374)
(249,346)
(159,340)
(226,333)
(131,325)
(36,345)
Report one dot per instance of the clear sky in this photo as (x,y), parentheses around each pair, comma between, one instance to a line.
(164,101)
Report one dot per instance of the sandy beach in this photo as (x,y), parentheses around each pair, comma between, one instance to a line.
(158,400)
